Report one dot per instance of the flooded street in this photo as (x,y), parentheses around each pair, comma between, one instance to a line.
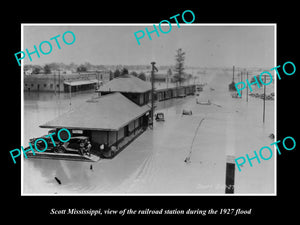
(154,162)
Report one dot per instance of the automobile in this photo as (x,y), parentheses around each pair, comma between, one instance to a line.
(187,112)
(203,102)
(77,144)
(159,116)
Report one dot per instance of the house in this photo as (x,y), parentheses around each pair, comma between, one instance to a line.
(111,120)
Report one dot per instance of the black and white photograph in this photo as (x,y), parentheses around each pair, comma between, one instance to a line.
(165,114)
(134,111)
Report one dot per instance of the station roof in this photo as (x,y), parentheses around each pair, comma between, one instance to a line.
(109,112)
(126,84)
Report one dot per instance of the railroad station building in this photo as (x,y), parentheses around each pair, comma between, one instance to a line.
(112,120)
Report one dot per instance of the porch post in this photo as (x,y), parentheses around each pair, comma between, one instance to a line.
(117,143)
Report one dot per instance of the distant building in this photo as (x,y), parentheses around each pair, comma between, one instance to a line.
(161,77)
(130,86)
(139,91)
(63,82)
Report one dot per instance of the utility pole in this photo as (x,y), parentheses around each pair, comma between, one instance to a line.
(233,74)
(152,90)
(264,102)
(97,74)
(59,82)
(242,81)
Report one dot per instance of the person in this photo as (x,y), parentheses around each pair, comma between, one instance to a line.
(187,160)
(88,148)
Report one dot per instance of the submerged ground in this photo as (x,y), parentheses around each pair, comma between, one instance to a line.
(154,162)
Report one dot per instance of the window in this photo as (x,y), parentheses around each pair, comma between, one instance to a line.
(45,85)
(77,131)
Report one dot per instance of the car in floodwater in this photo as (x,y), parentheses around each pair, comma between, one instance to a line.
(160,116)
(78,144)
(187,112)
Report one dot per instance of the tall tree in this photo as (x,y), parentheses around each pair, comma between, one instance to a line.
(124,71)
(111,75)
(47,69)
(179,66)
(117,73)
(142,76)
(36,70)
(81,68)
(134,73)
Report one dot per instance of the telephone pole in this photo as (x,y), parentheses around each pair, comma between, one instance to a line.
(241,81)
(152,90)
(264,102)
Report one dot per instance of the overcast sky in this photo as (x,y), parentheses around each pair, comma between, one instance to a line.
(210,46)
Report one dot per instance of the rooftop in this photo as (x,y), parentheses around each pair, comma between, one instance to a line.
(126,84)
(109,112)
(80,82)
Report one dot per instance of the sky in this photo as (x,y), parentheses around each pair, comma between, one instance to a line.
(112,44)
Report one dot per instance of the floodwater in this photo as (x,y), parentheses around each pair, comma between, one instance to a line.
(154,162)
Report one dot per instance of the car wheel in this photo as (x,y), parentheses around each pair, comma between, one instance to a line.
(112,153)
(59,149)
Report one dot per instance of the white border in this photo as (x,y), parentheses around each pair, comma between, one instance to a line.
(149,24)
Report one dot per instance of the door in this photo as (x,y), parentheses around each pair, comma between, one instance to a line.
(126,131)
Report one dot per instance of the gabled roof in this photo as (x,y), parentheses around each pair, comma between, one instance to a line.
(126,84)
(109,112)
